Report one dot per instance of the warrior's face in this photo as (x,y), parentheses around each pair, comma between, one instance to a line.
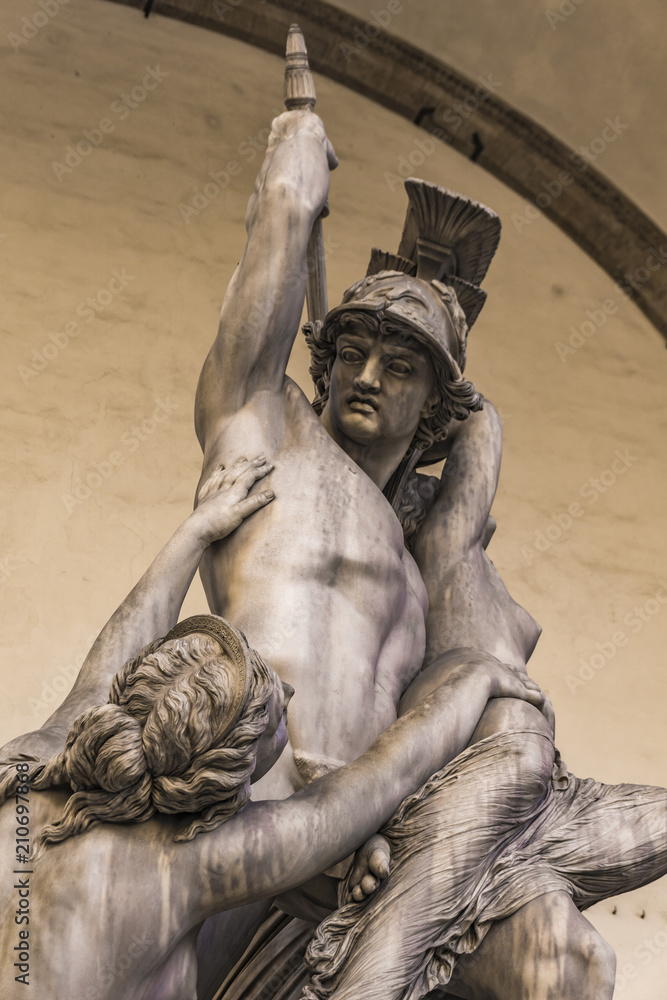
(381,386)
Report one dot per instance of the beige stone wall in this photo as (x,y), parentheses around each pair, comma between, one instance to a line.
(568,64)
(99,377)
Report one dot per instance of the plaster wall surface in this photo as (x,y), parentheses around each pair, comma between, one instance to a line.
(568,64)
(112,283)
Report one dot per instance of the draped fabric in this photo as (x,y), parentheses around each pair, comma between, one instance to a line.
(501,825)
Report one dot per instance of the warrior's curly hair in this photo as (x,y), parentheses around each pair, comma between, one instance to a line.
(155,746)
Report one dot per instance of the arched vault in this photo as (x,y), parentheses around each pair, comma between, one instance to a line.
(579,199)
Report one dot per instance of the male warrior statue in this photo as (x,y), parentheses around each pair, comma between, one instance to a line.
(323,585)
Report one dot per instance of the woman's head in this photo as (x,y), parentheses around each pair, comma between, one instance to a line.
(187,721)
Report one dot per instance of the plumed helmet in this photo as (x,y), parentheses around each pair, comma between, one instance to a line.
(432,284)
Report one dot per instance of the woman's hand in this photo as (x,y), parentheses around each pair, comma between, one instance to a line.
(501,680)
(508,681)
(223,501)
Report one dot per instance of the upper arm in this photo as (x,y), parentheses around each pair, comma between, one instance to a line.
(457,522)
(258,324)
(40,745)
(469,606)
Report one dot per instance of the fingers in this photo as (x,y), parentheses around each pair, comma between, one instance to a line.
(247,470)
(211,484)
(254,502)
(534,694)
(304,122)
(515,683)
(251,472)
(332,159)
(243,472)
(379,857)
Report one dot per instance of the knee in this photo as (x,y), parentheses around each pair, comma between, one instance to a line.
(532,761)
(601,965)
(591,965)
(586,962)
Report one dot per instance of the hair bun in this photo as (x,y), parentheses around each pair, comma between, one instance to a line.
(104,750)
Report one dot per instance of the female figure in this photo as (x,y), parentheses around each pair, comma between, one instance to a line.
(158,834)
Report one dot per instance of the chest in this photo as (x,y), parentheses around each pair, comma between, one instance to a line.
(328,516)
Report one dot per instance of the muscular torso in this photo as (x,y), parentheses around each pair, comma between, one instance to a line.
(319,582)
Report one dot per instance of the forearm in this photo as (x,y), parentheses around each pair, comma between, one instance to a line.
(458,519)
(446,665)
(330,818)
(262,307)
(434,730)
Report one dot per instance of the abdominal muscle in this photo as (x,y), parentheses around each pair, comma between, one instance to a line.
(320,584)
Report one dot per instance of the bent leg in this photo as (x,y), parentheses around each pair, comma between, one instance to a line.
(444,839)
(602,840)
(545,951)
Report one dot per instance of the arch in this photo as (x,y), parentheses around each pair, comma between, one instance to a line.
(554,179)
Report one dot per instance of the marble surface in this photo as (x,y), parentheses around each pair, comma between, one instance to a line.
(112,404)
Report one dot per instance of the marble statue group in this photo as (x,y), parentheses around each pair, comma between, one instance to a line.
(409,810)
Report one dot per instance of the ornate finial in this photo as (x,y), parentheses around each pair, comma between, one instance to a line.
(299,87)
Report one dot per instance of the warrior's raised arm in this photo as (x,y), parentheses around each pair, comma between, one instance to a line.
(262,307)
